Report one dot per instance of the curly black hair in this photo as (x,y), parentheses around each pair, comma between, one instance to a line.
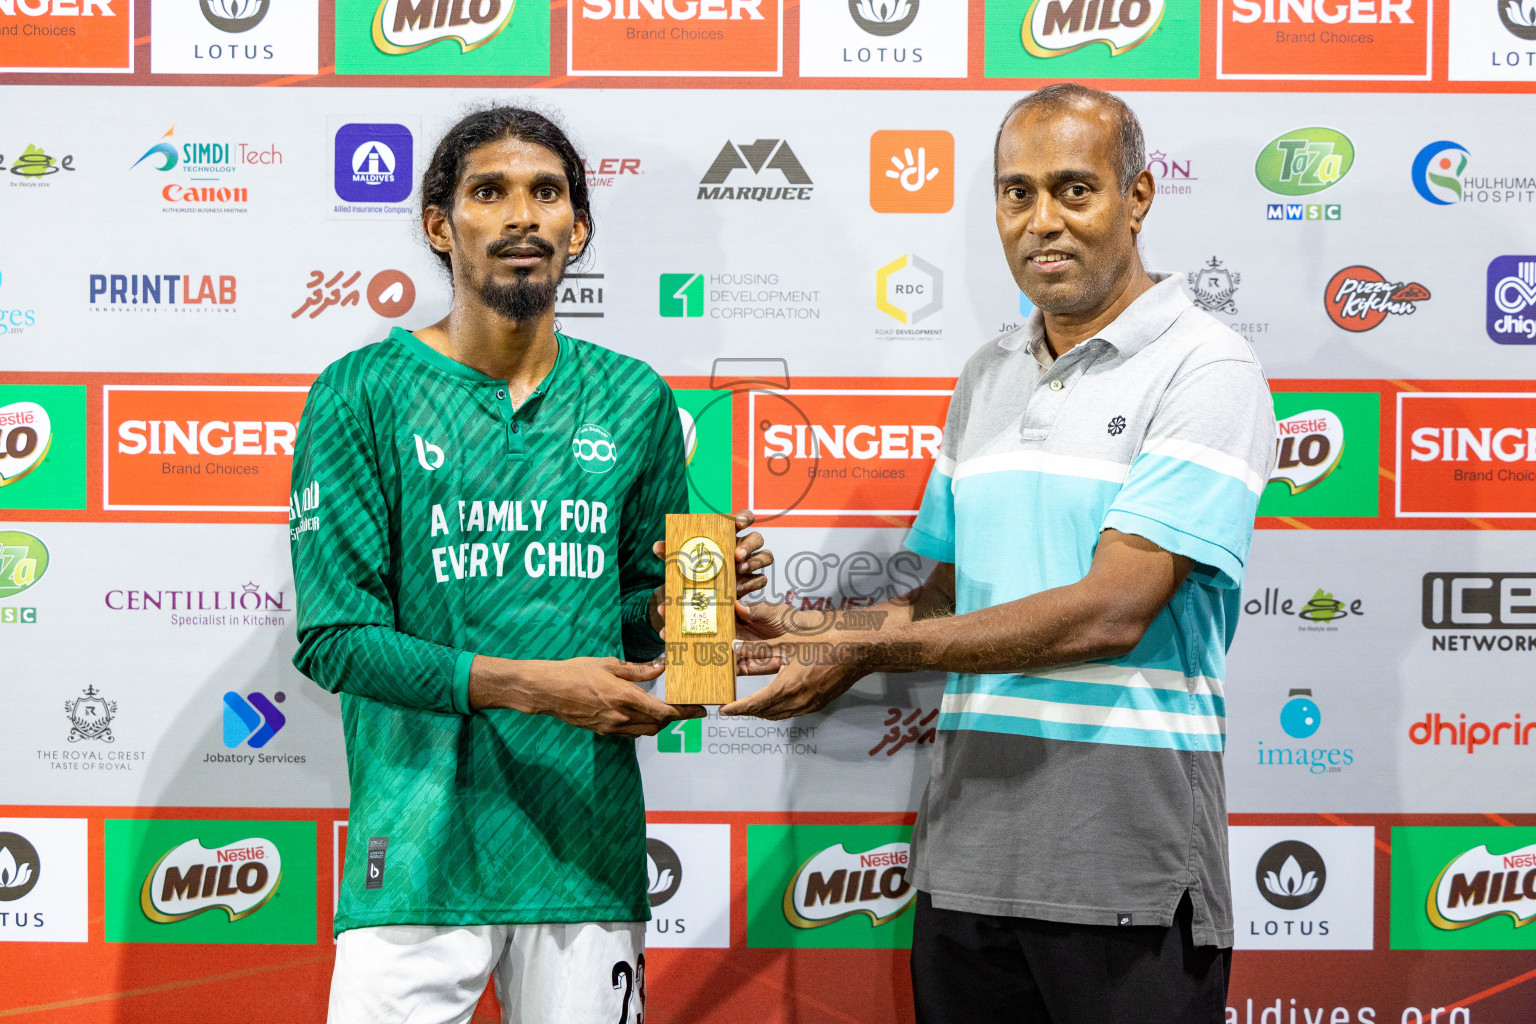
(440,181)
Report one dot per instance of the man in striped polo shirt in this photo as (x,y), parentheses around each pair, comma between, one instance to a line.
(1090,513)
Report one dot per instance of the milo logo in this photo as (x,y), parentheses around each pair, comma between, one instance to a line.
(594,449)
(1304,161)
(834,884)
(23,560)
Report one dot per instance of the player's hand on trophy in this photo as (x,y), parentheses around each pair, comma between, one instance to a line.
(600,694)
(751,558)
(817,661)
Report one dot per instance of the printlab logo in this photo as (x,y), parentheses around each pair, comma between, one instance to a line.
(20,867)
(1438,170)
(761,155)
(1212,287)
(883,17)
(252,719)
(593,448)
(663,870)
(1291,875)
(1358,298)
(1511,294)
(373,163)
(911,171)
(90,716)
(909,289)
(391,293)
(1052,27)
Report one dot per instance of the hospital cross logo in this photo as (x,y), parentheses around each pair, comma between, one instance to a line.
(911,172)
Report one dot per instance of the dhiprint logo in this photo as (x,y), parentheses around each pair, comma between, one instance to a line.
(373,163)
(1438,170)
(883,17)
(1055,27)
(911,171)
(1291,875)
(20,867)
(763,154)
(252,720)
(594,449)
(234,15)
(1212,287)
(1358,298)
(190,879)
(429,455)
(1511,294)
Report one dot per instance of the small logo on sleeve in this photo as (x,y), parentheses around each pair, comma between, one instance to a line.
(376,847)
(428,454)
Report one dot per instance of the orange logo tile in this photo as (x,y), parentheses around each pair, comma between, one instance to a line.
(1466,455)
(676,37)
(1324,39)
(911,172)
(66,35)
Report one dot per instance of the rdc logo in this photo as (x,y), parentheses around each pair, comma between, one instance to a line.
(1300,717)
(594,449)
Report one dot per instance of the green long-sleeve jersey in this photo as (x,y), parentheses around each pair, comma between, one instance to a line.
(431,522)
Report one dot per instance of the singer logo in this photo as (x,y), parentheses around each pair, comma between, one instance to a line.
(676,37)
(835,457)
(1323,39)
(835,884)
(1466,454)
(237,879)
(199,449)
(66,35)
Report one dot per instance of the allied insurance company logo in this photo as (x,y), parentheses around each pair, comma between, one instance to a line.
(1466,454)
(731,38)
(911,171)
(1055,27)
(66,37)
(373,163)
(1303,162)
(1322,39)
(1511,294)
(757,157)
(1359,298)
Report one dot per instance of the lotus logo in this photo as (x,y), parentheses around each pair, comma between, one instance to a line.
(404,26)
(835,884)
(237,879)
(883,17)
(19,865)
(1291,875)
(663,871)
(1518,17)
(234,15)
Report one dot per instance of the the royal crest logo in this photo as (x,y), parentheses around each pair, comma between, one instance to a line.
(404,26)
(1358,298)
(90,717)
(1054,27)
(594,449)
(1478,885)
(1308,447)
(835,884)
(238,879)
(25,436)
(1212,287)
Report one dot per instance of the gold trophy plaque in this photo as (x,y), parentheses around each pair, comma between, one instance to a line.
(700,609)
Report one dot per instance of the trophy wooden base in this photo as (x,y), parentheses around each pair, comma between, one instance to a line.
(700,609)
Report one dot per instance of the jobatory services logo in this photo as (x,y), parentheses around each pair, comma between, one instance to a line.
(1437,172)
(42,446)
(1212,287)
(1490,41)
(763,155)
(1313,475)
(1463,888)
(911,172)
(829,886)
(883,39)
(1062,39)
(235,37)
(688,870)
(1480,611)
(43,891)
(373,163)
(210,881)
(1358,298)
(66,36)
(1324,39)
(252,719)
(1511,294)
(909,290)
(23,561)
(1301,718)
(1303,887)
(442,37)
(1303,162)
(32,167)
(670,38)
(199,449)
(1466,454)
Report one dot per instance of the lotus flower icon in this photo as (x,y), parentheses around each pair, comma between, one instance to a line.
(1523,14)
(1292,881)
(883,17)
(13,875)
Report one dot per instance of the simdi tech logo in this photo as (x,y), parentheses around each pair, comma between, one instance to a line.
(1302,162)
(66,36)
(42,446)
(442,37)
(829,886)
(911,172)
(670,38)
(1463,888)
(1466,454)
(203,168)
(1324,39)
(235,37)
(210,881)
(883,39)
(1327,452)
(1062,39)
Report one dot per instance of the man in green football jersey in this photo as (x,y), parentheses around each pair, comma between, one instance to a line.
(475,523)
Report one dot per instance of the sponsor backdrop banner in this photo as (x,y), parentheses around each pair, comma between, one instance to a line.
(795,227)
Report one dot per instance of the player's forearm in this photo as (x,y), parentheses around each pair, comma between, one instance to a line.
(384,664)
(525,686)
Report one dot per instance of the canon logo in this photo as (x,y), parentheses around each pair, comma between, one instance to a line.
(214,437)
(675,10)
(861,441)
(1353,12)
(1483,444)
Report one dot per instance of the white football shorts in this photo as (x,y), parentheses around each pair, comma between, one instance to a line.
(591,973)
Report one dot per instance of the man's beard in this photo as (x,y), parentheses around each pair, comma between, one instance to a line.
(523,298)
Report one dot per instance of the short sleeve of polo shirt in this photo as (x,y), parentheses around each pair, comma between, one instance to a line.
(933,532)
(1195,485)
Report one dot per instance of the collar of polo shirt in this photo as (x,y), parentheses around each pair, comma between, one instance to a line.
(1141,323)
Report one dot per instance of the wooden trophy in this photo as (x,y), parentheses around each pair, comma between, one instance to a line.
(701,609)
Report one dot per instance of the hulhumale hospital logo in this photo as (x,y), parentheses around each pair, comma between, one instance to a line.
(1438,170)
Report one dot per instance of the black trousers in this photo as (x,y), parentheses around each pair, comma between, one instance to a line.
(985,969)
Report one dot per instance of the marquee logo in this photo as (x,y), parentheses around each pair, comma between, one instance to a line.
(26,433)
(404,26)
(1358,298)
(191,879)
(1055,27)
(1308,448)
(676,37)
(1437,172)
(1291,875)
(764,154)
(1304,161)
(234,15)
(1478,885)
(1323,39)
(23,561)
(1511,294)
(66,36)
(834,884)
(1466,454)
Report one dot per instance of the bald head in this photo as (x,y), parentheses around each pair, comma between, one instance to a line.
(1130,149)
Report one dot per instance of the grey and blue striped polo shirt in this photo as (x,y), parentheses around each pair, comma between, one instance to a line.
(1084,793)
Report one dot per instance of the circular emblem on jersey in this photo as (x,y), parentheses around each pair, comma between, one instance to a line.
(594,448)
(700,560)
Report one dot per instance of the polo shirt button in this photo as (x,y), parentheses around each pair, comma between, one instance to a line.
(1056,385)
(500,393)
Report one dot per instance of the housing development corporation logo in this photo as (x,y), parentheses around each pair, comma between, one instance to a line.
(1321,39)
(750,295)
(1466,454)
(1358,298)
(1511,294)
(1437,172)
(756,157)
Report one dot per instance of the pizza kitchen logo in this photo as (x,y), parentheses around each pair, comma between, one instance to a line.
(835,884)
(1054,27)
(1358,298)
(191,879)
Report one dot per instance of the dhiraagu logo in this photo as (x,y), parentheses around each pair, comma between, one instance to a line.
(594,449)
(1304,161)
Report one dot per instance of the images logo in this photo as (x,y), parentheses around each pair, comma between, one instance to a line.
(771,154)
(373,163)
(1511,293)
(1467,454)
(909,289)
(405,26)
(1358,298)
(676,37)
(66,37)
(1300,716)
(1054,27)
(1314,39)
(234,15)
(911,172)
(251,720)
(682,295)
(1309,447)
(1291,875)
(829,886)
(190,879)
(1213,286)
(1437,171)
(1304,161)
(883,17)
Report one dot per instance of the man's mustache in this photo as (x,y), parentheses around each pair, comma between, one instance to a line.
(504,246)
